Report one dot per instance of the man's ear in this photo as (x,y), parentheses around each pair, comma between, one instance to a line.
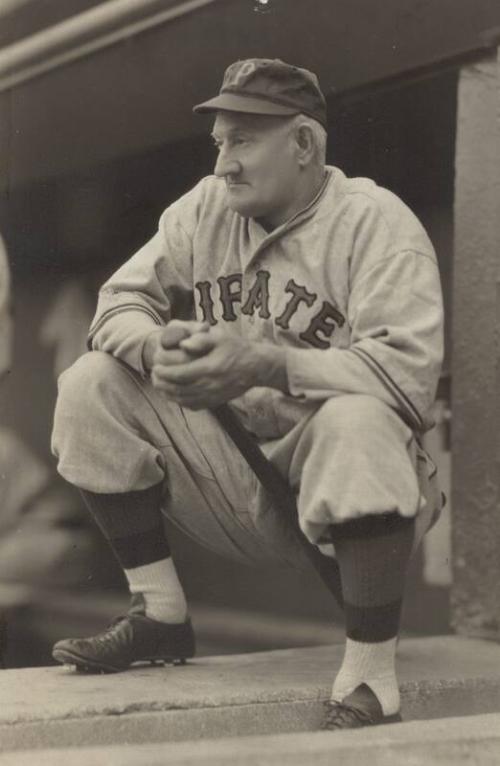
(305,142)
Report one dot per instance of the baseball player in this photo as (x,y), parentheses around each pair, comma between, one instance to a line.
(311,303)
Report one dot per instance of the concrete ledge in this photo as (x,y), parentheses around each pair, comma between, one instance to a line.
(251,694)
(473,741)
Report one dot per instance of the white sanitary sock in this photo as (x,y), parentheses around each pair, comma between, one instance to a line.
(373,665)
(163,594)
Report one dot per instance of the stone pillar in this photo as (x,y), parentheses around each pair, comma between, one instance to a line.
(476,355)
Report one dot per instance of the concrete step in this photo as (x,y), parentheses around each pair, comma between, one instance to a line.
(471,741)
(241,695)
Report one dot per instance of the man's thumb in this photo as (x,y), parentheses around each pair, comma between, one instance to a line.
(198,344)
(176,330)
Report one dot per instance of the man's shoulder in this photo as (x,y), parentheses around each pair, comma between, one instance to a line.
(206,199)
(212,185)
(364,200)
(208,190)
(366,193)
(369,213)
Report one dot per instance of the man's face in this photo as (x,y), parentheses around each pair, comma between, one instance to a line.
(258,159)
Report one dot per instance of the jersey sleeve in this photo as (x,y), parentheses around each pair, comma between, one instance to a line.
(395,354)
(152,287)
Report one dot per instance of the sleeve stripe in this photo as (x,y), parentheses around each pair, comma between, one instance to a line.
(120,309)
(389,383)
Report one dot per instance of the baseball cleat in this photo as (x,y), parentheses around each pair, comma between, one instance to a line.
(360,708)
(130,638)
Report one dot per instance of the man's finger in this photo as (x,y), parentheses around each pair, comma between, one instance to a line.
(178,329)
(163,385)
(185,373)
(172,335)
(173,390)
(165,358)
(199,343)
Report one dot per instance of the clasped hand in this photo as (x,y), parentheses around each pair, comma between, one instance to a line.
(199,366)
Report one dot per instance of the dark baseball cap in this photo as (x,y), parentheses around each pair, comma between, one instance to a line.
(268,86)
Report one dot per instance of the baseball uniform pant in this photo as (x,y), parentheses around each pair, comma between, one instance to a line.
(354,456)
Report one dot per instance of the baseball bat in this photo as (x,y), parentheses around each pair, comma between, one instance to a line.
(282,495)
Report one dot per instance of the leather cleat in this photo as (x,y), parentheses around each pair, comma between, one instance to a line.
(130,638)
(360,708)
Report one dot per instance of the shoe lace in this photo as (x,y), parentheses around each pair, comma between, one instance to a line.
(340,716)
(113,634)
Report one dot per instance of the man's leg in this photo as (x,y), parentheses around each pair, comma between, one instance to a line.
(134,454)
(354,470)
(103,453)
(140,545)
(373,554)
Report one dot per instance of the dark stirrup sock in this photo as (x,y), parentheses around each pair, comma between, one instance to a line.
(373,554)
(132,523)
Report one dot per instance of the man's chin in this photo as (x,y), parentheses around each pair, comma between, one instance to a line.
(245,208)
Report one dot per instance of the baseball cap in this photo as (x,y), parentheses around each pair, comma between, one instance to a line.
(268,86)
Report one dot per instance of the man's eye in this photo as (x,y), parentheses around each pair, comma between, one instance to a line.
(236,141)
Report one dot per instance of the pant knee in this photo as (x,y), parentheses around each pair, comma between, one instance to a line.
(351,417)
(86,379)
(82,392)
(100,435)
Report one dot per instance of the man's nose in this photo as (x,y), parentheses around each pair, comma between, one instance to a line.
(226,166)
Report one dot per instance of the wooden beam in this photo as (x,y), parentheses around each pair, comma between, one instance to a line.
(86,33)
(476,355)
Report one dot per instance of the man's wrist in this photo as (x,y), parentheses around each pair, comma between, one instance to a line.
(149,347)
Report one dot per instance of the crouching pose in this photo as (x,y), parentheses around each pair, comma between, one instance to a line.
(310,302)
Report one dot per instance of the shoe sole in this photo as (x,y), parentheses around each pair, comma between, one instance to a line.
(396,718)
(86,665)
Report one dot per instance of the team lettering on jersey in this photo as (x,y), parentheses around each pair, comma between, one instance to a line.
(230,293)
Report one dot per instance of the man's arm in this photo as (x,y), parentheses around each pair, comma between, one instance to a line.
(154,285)
(396,350)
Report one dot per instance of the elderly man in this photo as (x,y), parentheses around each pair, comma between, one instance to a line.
(311,303)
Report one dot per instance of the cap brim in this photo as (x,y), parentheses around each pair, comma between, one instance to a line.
(232,102)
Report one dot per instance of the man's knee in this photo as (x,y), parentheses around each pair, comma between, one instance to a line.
(352,415)
(86,391)
(82,383)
